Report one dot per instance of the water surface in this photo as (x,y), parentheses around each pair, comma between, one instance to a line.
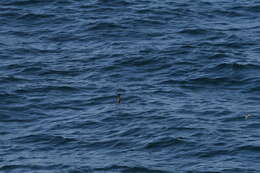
(188,73)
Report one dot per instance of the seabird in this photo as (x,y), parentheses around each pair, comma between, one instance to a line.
(118,98)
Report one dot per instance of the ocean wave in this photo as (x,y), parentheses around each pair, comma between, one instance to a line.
(194,31)
(236,67)
(20,167)
(44,139)
(164,142)
(104,26)
(130,169)
(187,72)
(25,2)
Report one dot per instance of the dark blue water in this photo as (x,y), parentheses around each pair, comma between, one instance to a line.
(188,73)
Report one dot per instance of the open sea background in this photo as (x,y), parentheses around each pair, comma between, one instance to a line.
(188,73)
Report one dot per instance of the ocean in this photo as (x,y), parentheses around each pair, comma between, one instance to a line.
(188,75)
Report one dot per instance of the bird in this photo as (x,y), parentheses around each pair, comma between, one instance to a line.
(247,116)
(118,98)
